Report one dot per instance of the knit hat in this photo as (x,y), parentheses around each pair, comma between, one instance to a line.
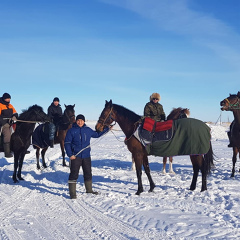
(80,116)
(56,99)
(5,96)
(155,95)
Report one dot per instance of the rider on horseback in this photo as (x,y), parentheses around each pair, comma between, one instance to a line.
(55,114)
(154,109)
(7,114)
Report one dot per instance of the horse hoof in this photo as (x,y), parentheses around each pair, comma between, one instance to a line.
(139,192)
(44,166)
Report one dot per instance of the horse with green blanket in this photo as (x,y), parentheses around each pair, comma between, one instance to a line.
(185,137)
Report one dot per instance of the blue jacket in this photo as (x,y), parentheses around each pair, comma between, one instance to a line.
(78,138)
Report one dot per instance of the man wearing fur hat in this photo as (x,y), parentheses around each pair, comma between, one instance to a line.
(7,115)
(154,109)
(77,146)
(55,115)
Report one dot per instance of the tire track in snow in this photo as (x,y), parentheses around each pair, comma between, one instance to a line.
(105,226)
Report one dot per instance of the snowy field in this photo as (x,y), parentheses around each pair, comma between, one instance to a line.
(40,208)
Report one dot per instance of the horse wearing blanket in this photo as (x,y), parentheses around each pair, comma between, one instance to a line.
(184,133)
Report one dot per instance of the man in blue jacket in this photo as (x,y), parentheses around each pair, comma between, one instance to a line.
(77,146)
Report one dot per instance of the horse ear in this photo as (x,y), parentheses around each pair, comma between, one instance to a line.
(238,94)
(73,105)
(65,105)
(110,102)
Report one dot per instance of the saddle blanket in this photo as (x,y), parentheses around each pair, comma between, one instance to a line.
(191,136)
(40,137)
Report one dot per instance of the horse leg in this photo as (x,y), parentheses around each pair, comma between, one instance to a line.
(147,171)
(37,157)
(234,160)
(63,154)
(138,162)
(164,165)
(171,165)
(196,168)
(133,164)
(16,156)
(43,157)
(19,174)
(204,173)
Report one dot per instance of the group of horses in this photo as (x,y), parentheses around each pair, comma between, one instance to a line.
(21,137)
(128,122)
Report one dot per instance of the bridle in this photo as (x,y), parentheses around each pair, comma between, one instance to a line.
(234,106)
(69,117)
(107,118)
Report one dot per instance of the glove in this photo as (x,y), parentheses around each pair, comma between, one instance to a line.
(14,118)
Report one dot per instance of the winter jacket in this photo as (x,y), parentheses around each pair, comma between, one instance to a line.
(6,111)
(154,111)
(55,113)
(78,138)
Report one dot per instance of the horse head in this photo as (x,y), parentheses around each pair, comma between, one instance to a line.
(34,113)
(106,117)
(178,113)
(69,113)
(231,103)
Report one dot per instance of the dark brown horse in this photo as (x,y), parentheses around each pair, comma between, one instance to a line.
(21,138)
(128,122)
(66,122)
(176,113)
(232,103)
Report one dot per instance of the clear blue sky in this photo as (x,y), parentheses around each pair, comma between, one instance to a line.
(89,51)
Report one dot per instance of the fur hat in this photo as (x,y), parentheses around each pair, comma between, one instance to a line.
(5,96)
(56,99)
(80,116)
(155,95)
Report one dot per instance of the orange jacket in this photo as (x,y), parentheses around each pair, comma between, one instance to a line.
(6,111)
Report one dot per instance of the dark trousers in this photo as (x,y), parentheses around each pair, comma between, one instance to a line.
(75,167)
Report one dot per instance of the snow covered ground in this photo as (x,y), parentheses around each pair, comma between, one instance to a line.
(40,208)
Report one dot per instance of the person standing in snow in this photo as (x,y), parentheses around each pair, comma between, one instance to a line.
(55,115)
(77,146)
(154,109)
(7,115)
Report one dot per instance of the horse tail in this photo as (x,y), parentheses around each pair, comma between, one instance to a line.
(208,160)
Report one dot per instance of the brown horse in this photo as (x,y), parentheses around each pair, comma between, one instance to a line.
(176,113)
(129,122)
(232,103)
(66,122)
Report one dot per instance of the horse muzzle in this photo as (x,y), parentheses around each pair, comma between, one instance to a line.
(99,127)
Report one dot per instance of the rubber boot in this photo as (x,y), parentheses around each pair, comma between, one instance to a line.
(72,190)
(88,186)
(7,150)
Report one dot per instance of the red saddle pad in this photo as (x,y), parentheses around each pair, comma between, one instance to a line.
(163,126)
(148,124)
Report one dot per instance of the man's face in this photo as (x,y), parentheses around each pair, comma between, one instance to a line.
(55,103)
(80,122)
(7,100)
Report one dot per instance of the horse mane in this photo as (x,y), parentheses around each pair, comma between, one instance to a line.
(127,113)
(26,114)
(174,114)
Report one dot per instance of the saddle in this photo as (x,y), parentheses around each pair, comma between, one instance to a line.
(151,131)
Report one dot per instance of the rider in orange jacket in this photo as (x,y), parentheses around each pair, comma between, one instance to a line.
(7,114)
